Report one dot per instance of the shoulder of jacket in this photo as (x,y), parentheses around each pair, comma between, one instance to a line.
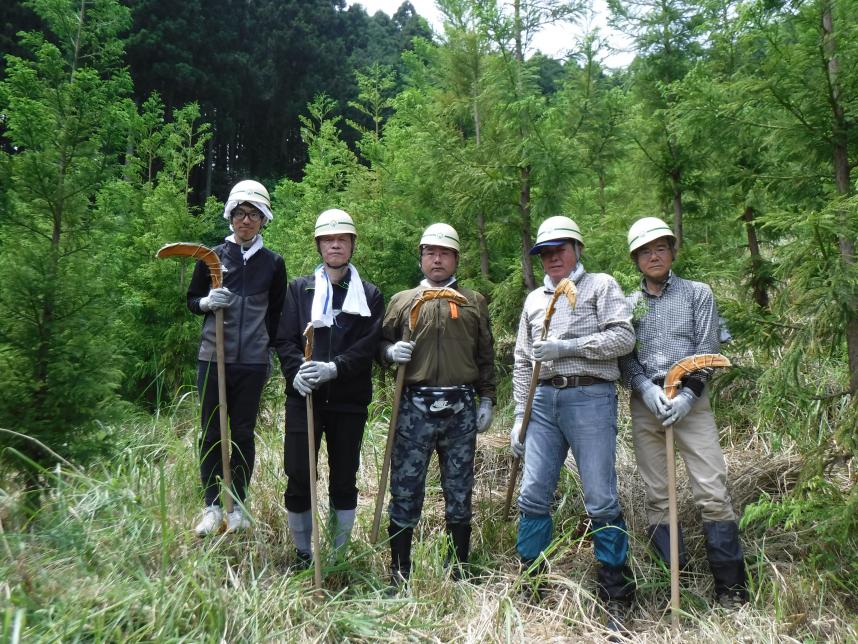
(535,297)
(633,297)
(301,282)
(699,288)
(406,296)
(275,256)
(601,278)
(471,295)
(371,290)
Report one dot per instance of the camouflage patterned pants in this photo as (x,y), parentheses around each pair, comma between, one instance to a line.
(418,434)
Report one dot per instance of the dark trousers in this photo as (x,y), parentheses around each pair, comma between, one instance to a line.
(343,432)
(418,435)
(244,384)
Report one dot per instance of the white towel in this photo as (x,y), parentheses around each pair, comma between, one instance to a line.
(574,276)
(322,311)
(250,251)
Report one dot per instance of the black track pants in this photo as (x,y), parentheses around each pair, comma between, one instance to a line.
(343,432)
(244,384)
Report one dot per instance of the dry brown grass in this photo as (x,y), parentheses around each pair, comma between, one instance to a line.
(106,561)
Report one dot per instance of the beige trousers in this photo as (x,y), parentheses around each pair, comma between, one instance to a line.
(696,438)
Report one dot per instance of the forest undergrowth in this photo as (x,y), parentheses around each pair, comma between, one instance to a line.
(110,556)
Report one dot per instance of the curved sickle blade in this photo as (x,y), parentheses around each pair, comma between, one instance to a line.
(308,346)
(564,287)
(433,294)
(681,368)
(196,251)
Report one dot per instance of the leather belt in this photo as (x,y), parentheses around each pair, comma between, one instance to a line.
(562,382)
(439,390)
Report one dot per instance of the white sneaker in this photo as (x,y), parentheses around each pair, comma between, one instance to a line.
(211,521)
(236,521)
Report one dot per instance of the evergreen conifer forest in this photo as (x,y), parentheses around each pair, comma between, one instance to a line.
(123,125)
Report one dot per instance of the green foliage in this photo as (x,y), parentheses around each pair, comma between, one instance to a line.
(829,514)
(67,116)
(733,121)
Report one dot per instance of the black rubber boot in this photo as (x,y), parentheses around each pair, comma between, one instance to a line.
(615,583)
(534,586)
(302,561)
(616,590)
(727,563)
(460,535)
(400,555)
(659,542)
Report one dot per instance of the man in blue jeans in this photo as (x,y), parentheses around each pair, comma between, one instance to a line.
(575,406)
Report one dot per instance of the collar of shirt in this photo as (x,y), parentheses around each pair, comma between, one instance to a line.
(575,276)
(450,283)
(664,286)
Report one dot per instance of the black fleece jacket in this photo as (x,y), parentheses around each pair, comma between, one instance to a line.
(351,344)
(250,322)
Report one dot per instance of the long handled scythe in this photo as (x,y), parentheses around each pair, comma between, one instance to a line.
(455,298)
(311,442)
(216,270)
(672,384)
(565,287)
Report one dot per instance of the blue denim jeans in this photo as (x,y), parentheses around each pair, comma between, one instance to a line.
(585,420)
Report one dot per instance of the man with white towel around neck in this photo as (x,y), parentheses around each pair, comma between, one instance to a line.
(346,313)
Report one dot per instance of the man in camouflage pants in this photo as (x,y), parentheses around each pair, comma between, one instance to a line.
(450,361)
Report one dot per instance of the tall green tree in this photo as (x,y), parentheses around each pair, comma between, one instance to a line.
(67,111)
(668,38)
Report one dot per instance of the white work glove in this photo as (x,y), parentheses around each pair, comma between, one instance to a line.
(316,373)
(218,298)
(544,350)
(680,406)
(516,447)
(301,385)
(484,415)
(656,400)
(400,352)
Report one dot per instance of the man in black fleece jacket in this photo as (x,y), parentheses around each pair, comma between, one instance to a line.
(254,283)
(346,313)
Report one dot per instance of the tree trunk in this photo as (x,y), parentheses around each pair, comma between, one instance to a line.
(210,145)
(524,191)
(484,248)
(761,295)
(840,148)
(481,220)
(526,240)
(675,177)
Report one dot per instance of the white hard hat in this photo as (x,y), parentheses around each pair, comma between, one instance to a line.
(554,231)
(248,191)
(440,235)
(645,230)
(334,221)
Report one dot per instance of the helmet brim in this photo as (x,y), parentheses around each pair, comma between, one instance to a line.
(551,242)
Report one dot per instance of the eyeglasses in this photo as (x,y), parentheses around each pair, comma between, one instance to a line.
(253,215)
(437,253)
(658,250)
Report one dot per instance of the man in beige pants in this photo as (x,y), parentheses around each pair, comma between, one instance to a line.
(673,319)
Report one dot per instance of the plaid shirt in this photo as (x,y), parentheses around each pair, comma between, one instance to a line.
(680,322)
(601,320)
